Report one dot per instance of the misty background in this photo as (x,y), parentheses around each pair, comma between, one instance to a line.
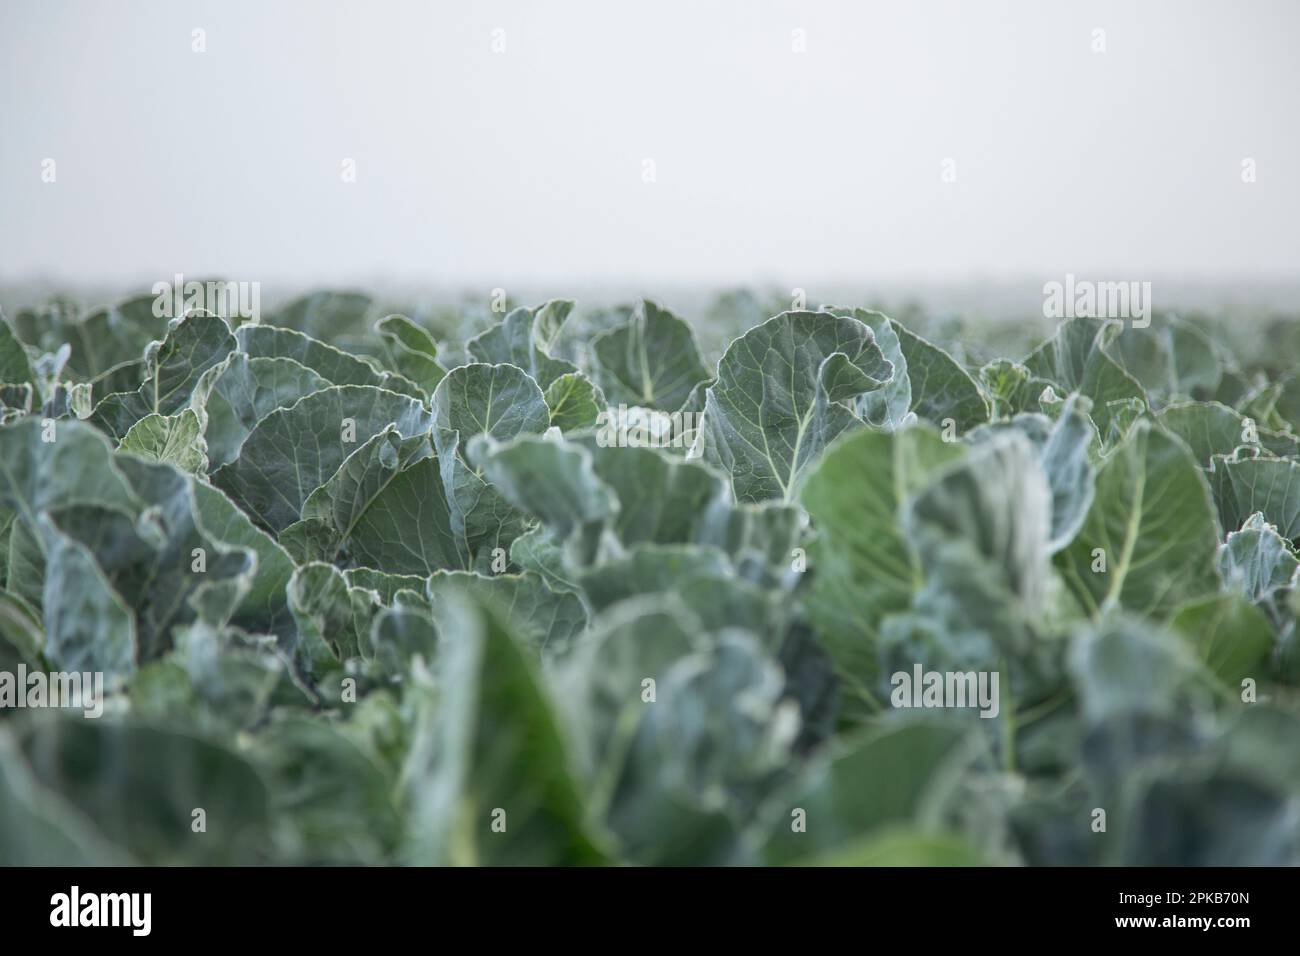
(505,144)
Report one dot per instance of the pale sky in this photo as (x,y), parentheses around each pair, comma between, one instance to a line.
(529,164)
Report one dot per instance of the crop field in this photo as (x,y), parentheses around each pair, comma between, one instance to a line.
(557,585)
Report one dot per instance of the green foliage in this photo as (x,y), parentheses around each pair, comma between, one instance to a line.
(373,589)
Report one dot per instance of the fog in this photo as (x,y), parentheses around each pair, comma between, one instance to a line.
(586,143)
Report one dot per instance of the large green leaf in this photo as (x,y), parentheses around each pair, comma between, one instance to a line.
(662,498)
(1063,449)
(546,620)
(1229,634)
(1076,360)
(264,607)
(1123,666)
(489,774)
(482,402)
(552,480)
(895,775)
(1270,486)
(713,742)
(59,466)
(863,566)
(176,439)
(142,786)
(1151,526)
(330,801)
(330,363)
(998,501)
(497,400)
(981,531)
(411,351)
(237,394)
(160,561)
(1170,358)
(1212,429)
(101,339)
(886,407)
(385,508)
(941,389)
(652,361)
(1070,475)
(601,688)
(39,828)
(172,369)
(294,450)
(525,338)
(574,402)
(89,627)
(326,314)
(780,399)
(85,621)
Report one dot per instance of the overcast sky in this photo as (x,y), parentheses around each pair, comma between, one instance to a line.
(530,164)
